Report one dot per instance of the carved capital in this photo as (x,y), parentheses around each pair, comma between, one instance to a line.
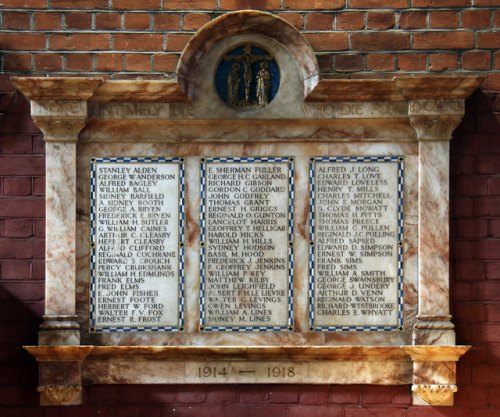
(60,394)
(435,127)
(60,129)
(435,394)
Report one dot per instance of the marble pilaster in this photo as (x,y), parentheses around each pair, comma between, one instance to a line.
(59,108)
(61,122)
(435,108)
(434,111)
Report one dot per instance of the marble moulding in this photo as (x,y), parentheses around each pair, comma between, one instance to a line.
(88,117)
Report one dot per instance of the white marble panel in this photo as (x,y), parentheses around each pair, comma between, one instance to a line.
(357,237)
(137,243)
(247,246)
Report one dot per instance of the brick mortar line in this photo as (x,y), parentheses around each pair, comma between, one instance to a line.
(111,51)
(32,21)
(134,72)
(182,15)
(120,72)
(192,32)
(181,21)
(151,21)
(317,53)
(63,62)
(400,30)
(223,11)
(64,26)
(337,73)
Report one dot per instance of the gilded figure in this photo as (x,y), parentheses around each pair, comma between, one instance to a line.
(263,84)
(247,59)
(233,85)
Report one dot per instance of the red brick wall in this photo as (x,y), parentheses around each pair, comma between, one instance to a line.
(124,38)
(356,38)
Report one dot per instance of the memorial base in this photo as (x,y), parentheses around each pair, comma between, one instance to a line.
(64,369)
(60,373)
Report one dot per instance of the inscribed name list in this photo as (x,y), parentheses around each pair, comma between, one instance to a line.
(356,275)
(246,272)
(135,272)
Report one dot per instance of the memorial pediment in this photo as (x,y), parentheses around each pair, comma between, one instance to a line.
(247,222)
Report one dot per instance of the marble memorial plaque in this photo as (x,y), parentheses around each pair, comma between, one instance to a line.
(356,259)
(137,231)
(246,244)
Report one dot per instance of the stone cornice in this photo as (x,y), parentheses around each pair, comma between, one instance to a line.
(438,87)
(140,91)
(355,90)
(57,88)
(396,89)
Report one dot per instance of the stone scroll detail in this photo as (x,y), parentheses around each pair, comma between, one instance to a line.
(59,394)
(435,394)
(137,244)
(60,129)
(356,237)
(246,258)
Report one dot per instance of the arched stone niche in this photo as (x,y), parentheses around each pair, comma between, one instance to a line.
(207,102)
(259,26)
(406,121)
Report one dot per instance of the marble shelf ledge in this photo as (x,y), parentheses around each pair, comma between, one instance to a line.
(171,91)
(428,353)
(405,353)
(338,353)
(438,87)
(140,91)
(395,89)
(57,88)
(355,90)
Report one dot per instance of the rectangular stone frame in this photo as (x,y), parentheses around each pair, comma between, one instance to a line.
(399,240)
(425,110)
(288,326)
(178,243)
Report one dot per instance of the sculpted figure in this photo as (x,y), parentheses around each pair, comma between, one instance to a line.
(263,84)
(233,85)
(247,59)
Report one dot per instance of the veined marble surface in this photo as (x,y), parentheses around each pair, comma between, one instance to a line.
(302,154)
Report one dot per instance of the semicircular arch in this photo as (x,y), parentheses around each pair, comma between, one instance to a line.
(248,22)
